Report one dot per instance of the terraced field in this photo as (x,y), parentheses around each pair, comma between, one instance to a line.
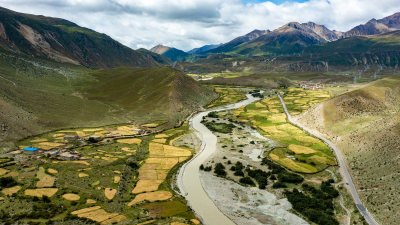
(124,177)
(298,151)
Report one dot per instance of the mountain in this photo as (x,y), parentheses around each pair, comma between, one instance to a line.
(37,96)
(156,57)
(203,49)
(66,42)
(387,24)
(382,49)
(237,41)
(288,39)
(173,54)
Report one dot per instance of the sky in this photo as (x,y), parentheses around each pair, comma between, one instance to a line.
(187,24)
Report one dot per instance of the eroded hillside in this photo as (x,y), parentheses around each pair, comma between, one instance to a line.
(365,125)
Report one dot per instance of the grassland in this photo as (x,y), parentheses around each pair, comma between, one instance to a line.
(298,152)
(364,124)
(39,96)
(227,95)
(108,184)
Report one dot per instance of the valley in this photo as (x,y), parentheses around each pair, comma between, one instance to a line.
(294,125)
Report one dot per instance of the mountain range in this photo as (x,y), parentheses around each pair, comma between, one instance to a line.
(291,38)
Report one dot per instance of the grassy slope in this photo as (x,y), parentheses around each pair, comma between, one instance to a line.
(52,96)
(365,125)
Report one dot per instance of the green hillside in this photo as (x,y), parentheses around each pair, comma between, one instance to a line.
(378,49)
(64,41)
(37,96)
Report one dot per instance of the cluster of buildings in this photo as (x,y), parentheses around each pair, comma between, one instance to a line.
(308,85)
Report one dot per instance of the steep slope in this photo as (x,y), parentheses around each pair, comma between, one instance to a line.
(227,47)
(381,49)
(38,96)
(288,39)
(365,125)
(203,49)
(173,54)
(387,24)
(64,41)
(156,57)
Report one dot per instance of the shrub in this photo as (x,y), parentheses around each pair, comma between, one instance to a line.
(247,181)
(6,182)
(220,170)
(279,184)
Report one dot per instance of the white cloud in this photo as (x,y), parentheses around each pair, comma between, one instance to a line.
(187,24)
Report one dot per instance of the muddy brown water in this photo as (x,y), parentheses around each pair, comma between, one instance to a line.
(189,175)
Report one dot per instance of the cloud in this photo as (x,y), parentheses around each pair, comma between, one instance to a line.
(187,24)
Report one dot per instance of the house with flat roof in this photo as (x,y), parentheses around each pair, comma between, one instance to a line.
(31,150)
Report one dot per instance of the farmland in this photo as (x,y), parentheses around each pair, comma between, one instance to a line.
(120,175)
(227,95)
(297,150)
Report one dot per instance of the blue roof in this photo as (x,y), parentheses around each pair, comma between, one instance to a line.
(30,149)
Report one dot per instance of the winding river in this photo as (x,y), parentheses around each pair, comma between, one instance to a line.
(188,179)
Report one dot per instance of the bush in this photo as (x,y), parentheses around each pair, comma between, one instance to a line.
(220,170)
(201,167)
(288,177)
(315,204)
(247,181)
(6,182)
(213,115)
(260,176)
(279,184)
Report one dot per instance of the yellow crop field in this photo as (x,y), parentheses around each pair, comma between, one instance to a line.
(110,193)
(298,149)
(136,141)
(156,149)
(113,220)
(71,197)
(39,140)
(40,192)
(277,118)
(161,140)
(46,181)
(3,171)
(161,136)
(151,196)
(49,145)
(81,175)
(92,129)
(10,191)
(90,201)
(117,179)
(146,186)
(75,162)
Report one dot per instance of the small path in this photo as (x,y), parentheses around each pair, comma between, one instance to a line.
(9,80)
(343,167)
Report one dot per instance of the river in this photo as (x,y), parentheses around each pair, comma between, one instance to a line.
(188,179)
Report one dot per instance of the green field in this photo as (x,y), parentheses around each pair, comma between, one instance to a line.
(298,100)
(299,151)
(227,95)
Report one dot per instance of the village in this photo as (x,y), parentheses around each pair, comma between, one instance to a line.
(61,146)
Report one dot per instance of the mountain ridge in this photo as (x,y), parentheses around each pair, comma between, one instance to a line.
(63,41)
